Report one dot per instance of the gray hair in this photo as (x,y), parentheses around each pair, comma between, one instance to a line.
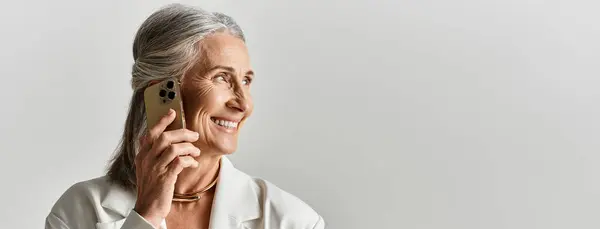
(165,46)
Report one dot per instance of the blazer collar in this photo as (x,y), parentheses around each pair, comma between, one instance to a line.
(236,199)
(118,199)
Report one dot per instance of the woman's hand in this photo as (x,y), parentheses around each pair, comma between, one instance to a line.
(162,156)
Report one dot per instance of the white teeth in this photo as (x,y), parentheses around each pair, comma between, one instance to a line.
(227,124)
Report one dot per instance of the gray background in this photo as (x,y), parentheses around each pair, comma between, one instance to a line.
(379,114)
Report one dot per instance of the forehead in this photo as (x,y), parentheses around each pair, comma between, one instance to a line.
(224,49)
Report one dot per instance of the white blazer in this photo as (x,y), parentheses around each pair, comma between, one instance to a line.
(241,202)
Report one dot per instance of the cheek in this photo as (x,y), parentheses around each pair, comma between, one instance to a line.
(201,89)
(196,92)
(205,98)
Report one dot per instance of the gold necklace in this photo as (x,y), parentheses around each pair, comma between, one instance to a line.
(189,197)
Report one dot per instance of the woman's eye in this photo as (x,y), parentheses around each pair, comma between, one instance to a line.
(246,81)
(220,78)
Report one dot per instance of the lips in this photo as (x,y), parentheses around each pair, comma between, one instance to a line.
(225,123)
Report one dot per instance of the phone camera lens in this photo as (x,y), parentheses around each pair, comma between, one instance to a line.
(171,95)
(170,84)
(162,93)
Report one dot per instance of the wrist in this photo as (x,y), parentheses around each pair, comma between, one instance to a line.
(154,219)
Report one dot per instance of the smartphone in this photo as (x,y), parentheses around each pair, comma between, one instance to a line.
(159,98)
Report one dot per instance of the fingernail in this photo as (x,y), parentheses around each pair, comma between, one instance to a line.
(170,111)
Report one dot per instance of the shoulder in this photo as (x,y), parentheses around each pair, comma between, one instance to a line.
(80,204)
(86,192)
(287,208)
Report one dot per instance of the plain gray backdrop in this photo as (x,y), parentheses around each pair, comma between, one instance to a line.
(380,114)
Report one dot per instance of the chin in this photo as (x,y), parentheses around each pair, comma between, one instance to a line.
(222,152)
(226,150)
(224,147)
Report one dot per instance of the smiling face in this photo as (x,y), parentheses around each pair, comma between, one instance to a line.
(216,93)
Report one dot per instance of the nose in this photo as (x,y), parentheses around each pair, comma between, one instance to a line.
(239,103)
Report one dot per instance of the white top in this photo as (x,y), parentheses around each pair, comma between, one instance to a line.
(240,202)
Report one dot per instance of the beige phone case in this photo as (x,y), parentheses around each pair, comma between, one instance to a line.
(161,96)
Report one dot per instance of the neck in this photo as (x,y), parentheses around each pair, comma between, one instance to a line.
(195,179)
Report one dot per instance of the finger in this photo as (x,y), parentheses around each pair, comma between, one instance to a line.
(177,150)
(155,131)
(143,148)
(180,163)
(143,143)
(142,139)
(173,137)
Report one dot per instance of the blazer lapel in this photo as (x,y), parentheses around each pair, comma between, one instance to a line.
(119,200)
(236,200)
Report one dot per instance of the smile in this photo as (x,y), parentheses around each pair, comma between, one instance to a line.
(225,123)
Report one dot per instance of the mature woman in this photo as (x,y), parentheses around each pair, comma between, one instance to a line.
(181,178)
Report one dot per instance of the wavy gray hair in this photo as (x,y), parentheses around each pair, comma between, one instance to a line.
(165,46)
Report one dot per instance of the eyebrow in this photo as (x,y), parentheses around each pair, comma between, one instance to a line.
(229,69)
